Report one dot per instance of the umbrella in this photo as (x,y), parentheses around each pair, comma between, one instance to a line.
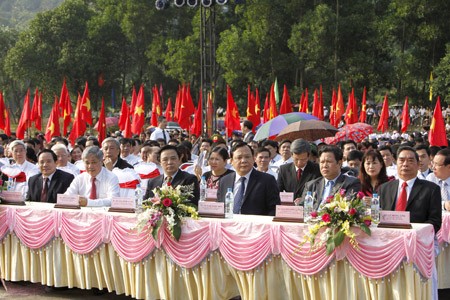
(309,130)
(356,132)
(271,128)
(110,121)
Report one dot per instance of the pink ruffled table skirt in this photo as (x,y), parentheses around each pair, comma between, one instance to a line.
(443,259)
(214,259)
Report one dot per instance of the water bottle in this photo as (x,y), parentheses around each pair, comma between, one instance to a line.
(138,196)
(375,208)
(229,204)
(10,184)
(308,206)
(203,189)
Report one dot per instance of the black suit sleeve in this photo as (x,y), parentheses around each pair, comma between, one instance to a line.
(273,196)
(281,179)
(435,212)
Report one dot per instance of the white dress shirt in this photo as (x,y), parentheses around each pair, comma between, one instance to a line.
(159,134)
(70,168)
(106,183)
(131,159)
(281,162)
(392,171)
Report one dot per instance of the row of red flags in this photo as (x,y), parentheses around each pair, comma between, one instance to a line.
(132,117)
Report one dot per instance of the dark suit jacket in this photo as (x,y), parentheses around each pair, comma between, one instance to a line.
(287,178)
(58,185)
(261,195)
(181,178)
(424,202)
(349,183)
(122,164)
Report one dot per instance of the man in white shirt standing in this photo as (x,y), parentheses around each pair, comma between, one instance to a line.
(388,157)
(63,163)
(160,131)
(285,152)
(97,185)
(424,161)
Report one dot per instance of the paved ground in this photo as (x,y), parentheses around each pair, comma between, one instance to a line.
(36,291)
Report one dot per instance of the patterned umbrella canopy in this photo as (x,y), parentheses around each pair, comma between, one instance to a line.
(309,130)
(272,128)
(357,132)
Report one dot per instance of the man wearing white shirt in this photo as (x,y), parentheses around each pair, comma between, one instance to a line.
(441,175)
(388,157)
(424,161)
(126,153)
(62,162)
(160,131)
(27,169)
(285,152)
(97,185)
(262,158)
(273,148)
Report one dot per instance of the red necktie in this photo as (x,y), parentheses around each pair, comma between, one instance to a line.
(93,194)
(299,174)
(402,198)
(44,190)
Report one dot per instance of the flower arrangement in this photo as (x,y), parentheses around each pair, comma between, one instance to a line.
(169,205)
(336,217)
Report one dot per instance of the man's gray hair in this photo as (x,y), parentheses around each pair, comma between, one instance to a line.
(92,150)
(59,147)
(17,142)
(300,146)
(110,139)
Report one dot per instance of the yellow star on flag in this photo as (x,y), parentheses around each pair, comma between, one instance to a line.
(87,104)
(433,124)
(139,111)
(234,112)
(248,112)
(363,107)
(51,128)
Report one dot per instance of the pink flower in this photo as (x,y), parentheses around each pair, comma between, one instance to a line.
(314,214)
(367,222)
(169,183)
(167,202)
(342,192)
(360,195)
(352,211)
(326,218)
(329,198)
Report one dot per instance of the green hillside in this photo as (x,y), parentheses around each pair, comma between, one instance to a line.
(17,13)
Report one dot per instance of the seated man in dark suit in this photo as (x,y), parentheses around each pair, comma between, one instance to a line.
(293,176)
(255,193)
(45,186)
(170,162)
(333,180)
(421,198)
(111,155)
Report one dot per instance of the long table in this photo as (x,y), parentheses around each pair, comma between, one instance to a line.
(249,256)
(443,259)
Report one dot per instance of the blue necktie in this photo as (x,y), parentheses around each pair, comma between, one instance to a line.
(327,190)
(239,196)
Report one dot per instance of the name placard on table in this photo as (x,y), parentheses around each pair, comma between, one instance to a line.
(211,209)
(123,204)
(287,198)
(395,219)
(67,201)
(11,197)
(211,195)
(285,213)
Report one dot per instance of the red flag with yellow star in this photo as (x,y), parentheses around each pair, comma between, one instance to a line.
(405,116)
(197,126)
(156,107)
(102,123)
(53,122)
(2,112)
(351,115)
(232,119)
(251,109)
(36,110)
(187,108)
(272,104)
(78,126)
(437,135)
(286,105)
(7,129)
(24,121)
(85,108)
(169,112)
(138,114)
(339,109)
(333,108)
(67,114)
(362,114)
(257,109)
(383,123)
(124,110)
(266,109)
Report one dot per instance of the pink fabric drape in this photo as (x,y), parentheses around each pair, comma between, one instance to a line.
(244,243)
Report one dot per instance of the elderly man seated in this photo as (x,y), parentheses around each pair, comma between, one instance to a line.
(97,185)
(63,160)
